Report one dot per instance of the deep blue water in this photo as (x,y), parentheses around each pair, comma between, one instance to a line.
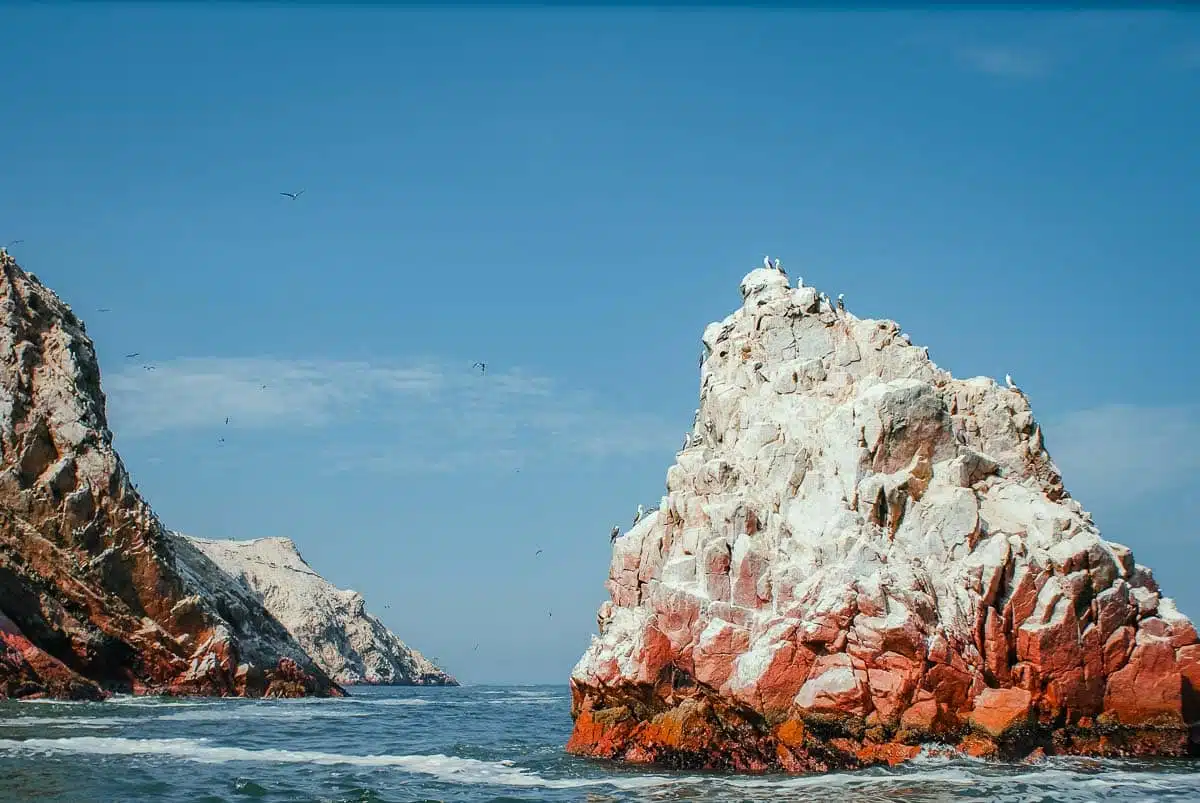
(469,744)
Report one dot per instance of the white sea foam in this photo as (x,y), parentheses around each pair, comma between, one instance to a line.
(65,722)
(454,769)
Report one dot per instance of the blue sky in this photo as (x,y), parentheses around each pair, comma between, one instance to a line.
(571,196)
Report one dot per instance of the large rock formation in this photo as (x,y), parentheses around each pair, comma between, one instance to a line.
(95,596)
(330,623)
(858,554)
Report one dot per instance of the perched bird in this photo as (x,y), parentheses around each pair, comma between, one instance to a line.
(778,264)
(641,511)
(767,262)
(482,366)
(293,195)
(616,532)
(841,301)
(1008,380)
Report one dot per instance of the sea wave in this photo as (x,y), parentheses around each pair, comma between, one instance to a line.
(1062,780)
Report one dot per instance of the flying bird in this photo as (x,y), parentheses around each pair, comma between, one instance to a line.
(13,242)
(293,195)
(134,354)
(148,367)
(227,420)
(482,366)
(103,309)
(476,647)
(535,554)
(264,387)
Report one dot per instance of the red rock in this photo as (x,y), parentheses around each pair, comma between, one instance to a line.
(998,710)
(1149,689)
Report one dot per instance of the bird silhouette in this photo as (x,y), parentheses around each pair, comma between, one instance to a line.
(476,648)
(227,420)
(103,309)
(148,367)
(13,242)
(293,195)
(535,554)
(131,356)
(482,366)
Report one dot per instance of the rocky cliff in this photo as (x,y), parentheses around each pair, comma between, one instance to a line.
(858,554)
(330,623)
(95,595)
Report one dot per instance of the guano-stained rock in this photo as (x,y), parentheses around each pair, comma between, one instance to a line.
(859,553)
(95,595)
(331,624)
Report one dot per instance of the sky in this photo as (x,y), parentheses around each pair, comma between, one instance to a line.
(570,196)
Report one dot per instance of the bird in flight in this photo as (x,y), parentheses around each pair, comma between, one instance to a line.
(293,195)
(148,367)
(264,387)
(482,366)
(131,356)
(227,420)
(476,647)
(103,309)
(535,554)
(14,242)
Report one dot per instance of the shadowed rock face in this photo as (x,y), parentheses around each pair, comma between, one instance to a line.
(859,554)
(94,596)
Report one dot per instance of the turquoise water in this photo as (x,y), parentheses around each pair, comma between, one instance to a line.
(469,744)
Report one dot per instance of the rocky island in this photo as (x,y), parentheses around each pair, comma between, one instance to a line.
(331,624)
(96,596)
(859,555)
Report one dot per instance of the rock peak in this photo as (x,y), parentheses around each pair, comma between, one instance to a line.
(853,536)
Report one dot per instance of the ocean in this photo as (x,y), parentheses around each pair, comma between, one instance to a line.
(474,744)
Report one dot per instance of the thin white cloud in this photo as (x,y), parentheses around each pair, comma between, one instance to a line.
(1006,62)
(1123,453)
(425,415)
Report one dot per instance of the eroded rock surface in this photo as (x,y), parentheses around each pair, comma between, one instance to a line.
(330,623)
(858,554)
(94,594)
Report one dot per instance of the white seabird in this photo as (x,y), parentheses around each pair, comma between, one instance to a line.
(767,262)
(641,511)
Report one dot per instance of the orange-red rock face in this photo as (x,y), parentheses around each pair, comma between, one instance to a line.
(92,598)
(859,554)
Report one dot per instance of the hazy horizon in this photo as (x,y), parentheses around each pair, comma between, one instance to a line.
(571,196)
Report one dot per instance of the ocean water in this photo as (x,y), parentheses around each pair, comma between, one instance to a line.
(471,744)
